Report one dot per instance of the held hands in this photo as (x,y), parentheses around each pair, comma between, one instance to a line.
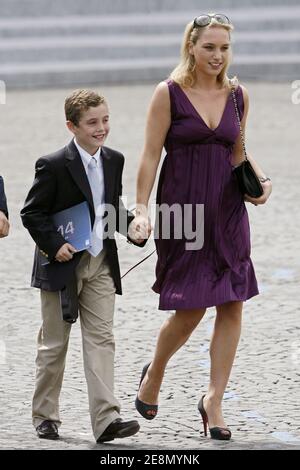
(4,225)
(140,228)
(65,253)
(267,188)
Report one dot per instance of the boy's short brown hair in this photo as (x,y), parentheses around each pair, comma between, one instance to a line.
(80,101)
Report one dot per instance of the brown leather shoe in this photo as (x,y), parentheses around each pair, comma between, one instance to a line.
(119,429)
(47,430)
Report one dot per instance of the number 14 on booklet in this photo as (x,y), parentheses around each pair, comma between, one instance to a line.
(74,225)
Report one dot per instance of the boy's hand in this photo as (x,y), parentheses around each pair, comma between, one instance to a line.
(140,229)
(65,253)
(4,225)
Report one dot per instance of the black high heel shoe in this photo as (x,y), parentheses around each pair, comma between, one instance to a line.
(147,411)
(222,434)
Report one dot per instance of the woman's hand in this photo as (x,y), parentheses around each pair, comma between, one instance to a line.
(257,201)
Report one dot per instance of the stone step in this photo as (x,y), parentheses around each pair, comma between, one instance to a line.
(134,46)
(74,48)
(258,19)
(88,73)
(38,8)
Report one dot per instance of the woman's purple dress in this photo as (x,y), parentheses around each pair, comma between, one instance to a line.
(198,170)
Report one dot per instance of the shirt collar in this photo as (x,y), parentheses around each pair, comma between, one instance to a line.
(86,157)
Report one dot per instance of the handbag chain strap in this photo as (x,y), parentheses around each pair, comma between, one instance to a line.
(238,119)
(140,262)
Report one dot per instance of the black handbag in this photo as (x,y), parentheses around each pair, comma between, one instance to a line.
(246,177)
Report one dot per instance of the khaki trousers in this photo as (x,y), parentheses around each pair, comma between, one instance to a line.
(96,291)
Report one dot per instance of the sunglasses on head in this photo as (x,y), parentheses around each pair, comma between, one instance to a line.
(205,20)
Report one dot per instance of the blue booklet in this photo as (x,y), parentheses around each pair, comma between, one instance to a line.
(74,224)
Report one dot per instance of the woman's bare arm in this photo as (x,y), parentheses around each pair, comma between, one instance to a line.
(238,157)
(158,123)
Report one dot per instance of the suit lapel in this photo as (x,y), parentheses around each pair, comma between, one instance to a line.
(109,180)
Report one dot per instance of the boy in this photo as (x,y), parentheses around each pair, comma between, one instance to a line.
(84,170)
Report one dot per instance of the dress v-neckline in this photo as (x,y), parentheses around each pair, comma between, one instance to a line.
(199,115)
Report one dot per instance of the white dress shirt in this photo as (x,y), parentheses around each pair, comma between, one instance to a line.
(100,195)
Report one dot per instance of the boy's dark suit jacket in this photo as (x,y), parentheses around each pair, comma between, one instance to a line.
(61,182)
(3,203)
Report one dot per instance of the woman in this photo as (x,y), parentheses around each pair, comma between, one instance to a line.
(193,116)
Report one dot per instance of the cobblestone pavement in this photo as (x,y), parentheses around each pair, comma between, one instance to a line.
(262,400)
